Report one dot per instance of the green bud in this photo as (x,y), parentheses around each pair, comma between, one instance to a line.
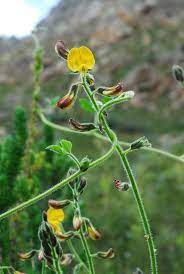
(84,164)
(139,143)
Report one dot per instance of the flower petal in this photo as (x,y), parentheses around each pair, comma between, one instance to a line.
(86,57)
(73,60)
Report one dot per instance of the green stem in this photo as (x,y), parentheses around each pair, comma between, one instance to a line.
(84,241)
(101,137)
(73,250)
(137,196)
(57,264)
(55,187)
(74,159)
(43,267)
(87,251)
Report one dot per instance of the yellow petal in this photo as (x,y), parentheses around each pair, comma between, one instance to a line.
(80,59)
(86,57)
(73,59)
(55,225)
(55,215)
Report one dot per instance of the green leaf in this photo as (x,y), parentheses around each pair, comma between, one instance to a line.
(66,146)
(86,105)
(55,148)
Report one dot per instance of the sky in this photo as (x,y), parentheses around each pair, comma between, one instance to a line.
(19,17)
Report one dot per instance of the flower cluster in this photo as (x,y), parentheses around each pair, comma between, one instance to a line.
(52,235)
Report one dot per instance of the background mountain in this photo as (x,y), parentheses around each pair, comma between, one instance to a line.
(137,43)
(134,41)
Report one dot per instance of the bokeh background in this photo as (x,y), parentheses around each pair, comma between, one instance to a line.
(134,41)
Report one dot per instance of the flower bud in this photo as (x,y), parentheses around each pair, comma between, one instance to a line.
(40,255)
(81,186)
(178,73)
(61,49)
(109,254)
(67,259)
(58,204)
(111,91)
(139,143)
(27,255)
(84,164)
(121,186)
(93,233)
(69,99)
(81,126)
(77,220)
(65,236)
(90,79)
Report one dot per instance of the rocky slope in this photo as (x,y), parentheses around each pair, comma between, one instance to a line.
(137,43)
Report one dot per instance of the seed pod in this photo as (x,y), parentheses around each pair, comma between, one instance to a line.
(178,73)
(69,99)
(111,91)
(77,220)
(58,204)
(59,250)
(65,236)
(67,259)
(82,127)
(27,255)
(109,254)
(44,216)
(47,251)
(61,49)
(121,186)
(81,186)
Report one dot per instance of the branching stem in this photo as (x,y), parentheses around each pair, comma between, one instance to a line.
(137,196)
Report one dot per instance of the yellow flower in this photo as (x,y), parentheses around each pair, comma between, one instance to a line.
(55,217)
(80,59)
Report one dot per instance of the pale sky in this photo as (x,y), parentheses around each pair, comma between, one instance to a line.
(19,17)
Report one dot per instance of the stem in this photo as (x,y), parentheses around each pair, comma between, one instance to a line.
(82,236)
(43,267)
(99,136)
(55,187)
(56,262)
(137,196)
(74,159)
(73,250)
(87,251)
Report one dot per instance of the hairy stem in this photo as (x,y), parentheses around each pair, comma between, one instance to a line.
(87,251)
(101,137)
(137,196)
(55,187)
(82,236)
(74,251)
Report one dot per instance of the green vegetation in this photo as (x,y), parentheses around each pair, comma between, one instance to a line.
(27,169)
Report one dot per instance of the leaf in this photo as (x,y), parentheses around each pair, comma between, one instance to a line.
(86,105)
(55,148)
(66,146)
